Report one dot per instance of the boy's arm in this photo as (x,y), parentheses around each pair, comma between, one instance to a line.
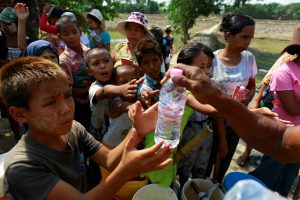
(22,14)
(127,90)
(133,163)
(258,97)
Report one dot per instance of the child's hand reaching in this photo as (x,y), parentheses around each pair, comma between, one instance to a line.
(134,162)
(147,96)
(130,89)
(141,117)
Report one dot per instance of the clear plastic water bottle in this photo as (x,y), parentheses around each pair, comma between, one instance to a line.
(170,110)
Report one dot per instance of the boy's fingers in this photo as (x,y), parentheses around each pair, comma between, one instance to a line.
(163,164)
(140,81)
(132,81)
(152,108)
(152,93)
(138,108)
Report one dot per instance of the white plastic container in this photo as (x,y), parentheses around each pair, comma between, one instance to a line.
(154,192)
(188,192)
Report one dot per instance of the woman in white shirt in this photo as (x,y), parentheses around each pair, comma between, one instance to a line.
(233,66)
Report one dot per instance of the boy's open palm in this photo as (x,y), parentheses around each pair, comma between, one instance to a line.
(144,121)
(135,162)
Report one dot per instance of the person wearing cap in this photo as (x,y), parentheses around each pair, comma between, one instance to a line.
(98,36)
(285,84)
(13,41)
(50,15)
(13,32)
(135,29)
(169,45)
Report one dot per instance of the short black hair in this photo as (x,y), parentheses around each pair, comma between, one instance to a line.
(65,20)
(55,12)
(87,56)
(234,22)
(189,52)
(145,46)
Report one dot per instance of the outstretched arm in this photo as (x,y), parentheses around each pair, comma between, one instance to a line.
(264,134)
(133,162)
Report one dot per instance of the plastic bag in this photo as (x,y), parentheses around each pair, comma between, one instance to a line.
(251,190)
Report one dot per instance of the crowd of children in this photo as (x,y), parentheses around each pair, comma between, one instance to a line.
(77,77)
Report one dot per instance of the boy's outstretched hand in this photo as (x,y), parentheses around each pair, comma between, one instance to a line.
(147,96)
(134,162)
(130,89)
(144,121)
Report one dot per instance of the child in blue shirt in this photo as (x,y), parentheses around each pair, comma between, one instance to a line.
(98,36)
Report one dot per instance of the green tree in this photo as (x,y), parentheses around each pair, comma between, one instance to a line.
(183,13)
(108,9)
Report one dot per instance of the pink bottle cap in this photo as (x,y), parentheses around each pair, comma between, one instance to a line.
(176,72)
(242,87)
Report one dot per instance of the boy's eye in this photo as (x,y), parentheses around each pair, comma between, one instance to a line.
(49,103)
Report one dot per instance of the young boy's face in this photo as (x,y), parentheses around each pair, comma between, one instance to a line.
(204,62)
(100,66)
(151,64)
(51,108)
(70,34)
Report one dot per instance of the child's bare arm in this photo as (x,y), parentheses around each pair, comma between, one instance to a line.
(133,163)
(127,90)
(139,118)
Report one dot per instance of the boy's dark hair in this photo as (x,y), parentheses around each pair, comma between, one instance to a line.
(19,78)
(87,56)
(235,22)
(55,12)
(188,53)
(145,46)
(115,70)
(65,20)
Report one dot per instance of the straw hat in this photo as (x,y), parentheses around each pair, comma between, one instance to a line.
(134,17)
